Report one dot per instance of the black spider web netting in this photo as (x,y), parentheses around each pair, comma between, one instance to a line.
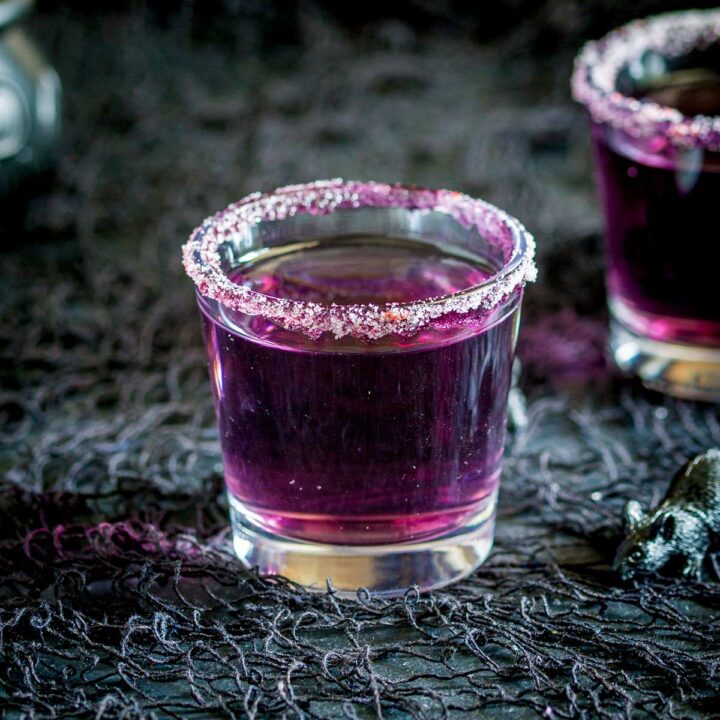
(119,594)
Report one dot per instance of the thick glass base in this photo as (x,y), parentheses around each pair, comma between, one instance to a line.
(386,570)
(685,371)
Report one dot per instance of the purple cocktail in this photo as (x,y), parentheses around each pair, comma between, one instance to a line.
(361,339)
(653,91)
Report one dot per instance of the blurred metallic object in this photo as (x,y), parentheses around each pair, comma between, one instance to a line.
(29,102)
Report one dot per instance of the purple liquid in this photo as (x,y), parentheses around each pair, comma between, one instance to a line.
(661,208)
(349,442)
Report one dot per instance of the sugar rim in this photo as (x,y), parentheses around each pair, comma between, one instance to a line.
(202,261)
(671,35)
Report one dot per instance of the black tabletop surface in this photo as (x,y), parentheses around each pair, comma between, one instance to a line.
(119,594)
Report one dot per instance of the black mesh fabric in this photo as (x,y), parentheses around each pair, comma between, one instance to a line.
(119,594)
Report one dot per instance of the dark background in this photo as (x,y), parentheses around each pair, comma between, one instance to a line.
(119,595)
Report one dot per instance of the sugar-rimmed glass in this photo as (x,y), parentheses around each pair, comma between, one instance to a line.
(653,92)
(360,339)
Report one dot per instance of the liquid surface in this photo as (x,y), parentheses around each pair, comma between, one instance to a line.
(694,91)
(352,447)
(661,219)
(359,270)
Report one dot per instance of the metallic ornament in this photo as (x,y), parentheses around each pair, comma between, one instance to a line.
(678,533)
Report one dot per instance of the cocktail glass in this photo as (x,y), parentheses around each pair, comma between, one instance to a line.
(360,339)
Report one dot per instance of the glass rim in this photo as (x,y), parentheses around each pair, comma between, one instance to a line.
(203,263)
(671,35)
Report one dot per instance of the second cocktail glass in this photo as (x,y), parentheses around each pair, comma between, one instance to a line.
(653,92)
